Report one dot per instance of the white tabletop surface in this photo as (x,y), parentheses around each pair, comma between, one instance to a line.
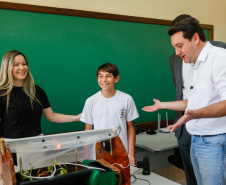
(153,178)
(157,142)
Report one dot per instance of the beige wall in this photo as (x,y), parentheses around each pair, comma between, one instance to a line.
(212,12)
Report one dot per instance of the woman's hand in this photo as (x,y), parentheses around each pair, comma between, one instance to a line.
(77,117)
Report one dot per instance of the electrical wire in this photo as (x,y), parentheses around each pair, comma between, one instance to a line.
(120,165)
(119,132)
(133,165)
(89,167)
(135,178)
(33,177)
(54,166)
(133,175)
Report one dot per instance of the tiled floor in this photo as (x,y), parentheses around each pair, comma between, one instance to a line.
(173,173)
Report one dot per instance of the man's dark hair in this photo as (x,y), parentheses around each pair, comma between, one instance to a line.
(188,25)
(110,68)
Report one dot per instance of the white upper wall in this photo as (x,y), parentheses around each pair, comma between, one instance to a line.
(206,11)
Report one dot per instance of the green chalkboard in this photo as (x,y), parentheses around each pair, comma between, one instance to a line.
(64,53)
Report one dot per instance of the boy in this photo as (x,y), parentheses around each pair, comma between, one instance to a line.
(110,107)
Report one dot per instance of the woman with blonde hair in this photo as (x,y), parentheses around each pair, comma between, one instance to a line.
(21,101)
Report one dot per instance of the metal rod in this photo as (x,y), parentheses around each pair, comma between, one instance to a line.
(167,119)
(159,120)
(3,146)
(76,160)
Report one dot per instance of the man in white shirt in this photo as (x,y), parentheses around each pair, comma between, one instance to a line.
(205,106)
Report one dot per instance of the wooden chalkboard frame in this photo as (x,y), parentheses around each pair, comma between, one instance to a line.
(89,14)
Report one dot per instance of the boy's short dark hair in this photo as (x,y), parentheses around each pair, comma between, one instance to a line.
(110,68)
(188,25)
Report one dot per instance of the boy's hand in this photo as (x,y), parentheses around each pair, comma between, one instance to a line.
(132,159)
(154,107)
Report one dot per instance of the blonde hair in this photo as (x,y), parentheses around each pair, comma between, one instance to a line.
(6,78)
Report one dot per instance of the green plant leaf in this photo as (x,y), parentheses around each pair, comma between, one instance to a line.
(26,172)
(63,171)
(25,178)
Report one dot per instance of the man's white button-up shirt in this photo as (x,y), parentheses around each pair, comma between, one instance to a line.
(208,87)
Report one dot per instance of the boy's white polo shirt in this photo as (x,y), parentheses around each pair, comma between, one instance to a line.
(209,87)
(107,112)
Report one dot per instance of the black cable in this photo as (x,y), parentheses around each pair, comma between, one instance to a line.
(143,180)
(139,178)
(133,175)
(133,165)
(135,171)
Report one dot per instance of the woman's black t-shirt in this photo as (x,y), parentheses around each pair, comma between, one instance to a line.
(22,120)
